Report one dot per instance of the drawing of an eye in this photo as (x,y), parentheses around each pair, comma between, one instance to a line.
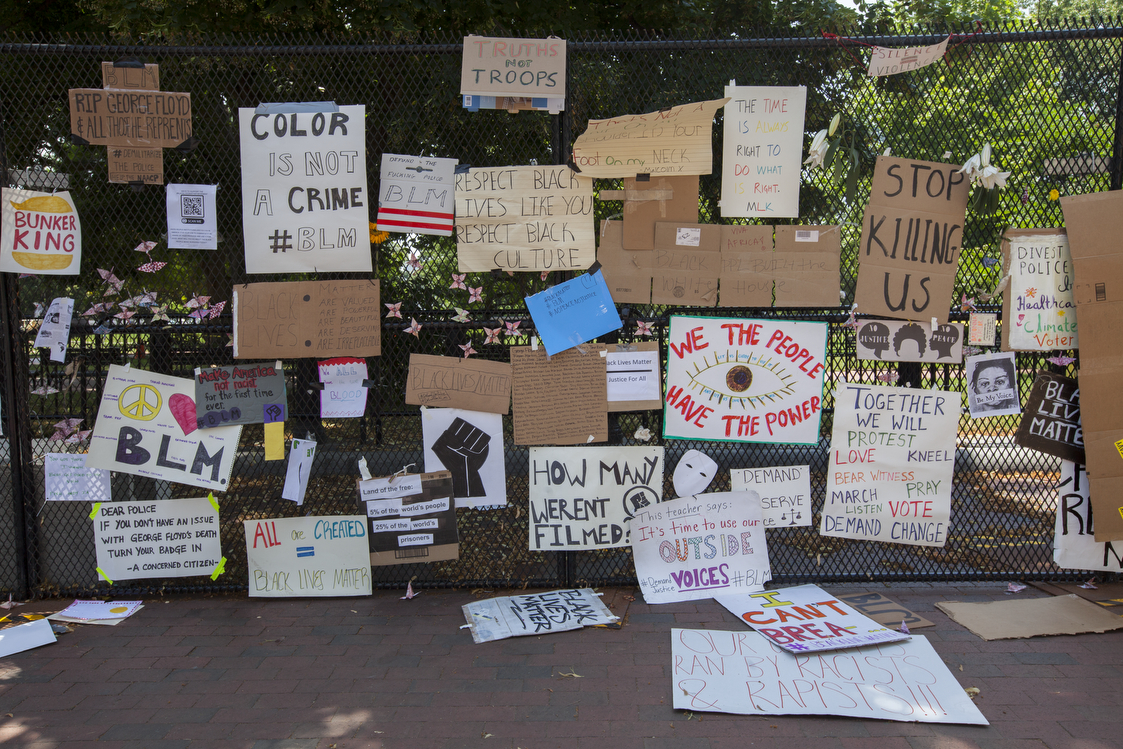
(747,379)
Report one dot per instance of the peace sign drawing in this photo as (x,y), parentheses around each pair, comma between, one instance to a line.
(141,402)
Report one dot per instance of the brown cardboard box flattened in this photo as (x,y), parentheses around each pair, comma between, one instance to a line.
(627,273)
(641,213)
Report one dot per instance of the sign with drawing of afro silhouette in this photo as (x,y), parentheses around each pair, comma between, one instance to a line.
(897,340)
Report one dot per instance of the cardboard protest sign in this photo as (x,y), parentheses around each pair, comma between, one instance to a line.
(1074,539)
(305,319)
(169,538)
(469,445)
(807,619)
(747,268)
(308,557)
(416,524)
(635,377)
(1051,423)
(883,610)
(1038,305)
(239,394)
(685,264)
(699,547)
(146,78)
(66,479)
(455,382)
(992,385)
(192,217)
(39,233)
(672,141)
(762,151)
(807,266)
(573,312)
(897,340)
(415,194)
(535,614)
(894,60)
(724,672)
(784,493)
(493,66)
(911,235)
(627,273)
(585,497)
(135,118)
(653,199)
(128,166)
(344,395)
(1094,223)
(54,331)
(524,218)
(891,461)
(147,425)
(304,190)
(298,470)
(744,380)
(562,399)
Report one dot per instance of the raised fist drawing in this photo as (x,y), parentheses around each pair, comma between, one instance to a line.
(463,448)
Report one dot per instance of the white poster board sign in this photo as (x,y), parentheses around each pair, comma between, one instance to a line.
(147,426)
(535,614)
(304,190)
(308,557)
(744,674)
(807,619)
(54,331)
(762,150)
(344,395)
(39,233)
(533,68)
(784,492)
(415,194)
(168,538)
(68,480)
(891,460)
(585,497)
(1041,309)
(733,379)
(469,445)
(1074,540)
(524,218)
(700,547)
(192,217)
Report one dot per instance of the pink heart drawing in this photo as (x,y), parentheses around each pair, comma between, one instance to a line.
(183,409)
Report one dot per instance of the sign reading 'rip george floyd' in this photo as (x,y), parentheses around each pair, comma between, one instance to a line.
(911,235)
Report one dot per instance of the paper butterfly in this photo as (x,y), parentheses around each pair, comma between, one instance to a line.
(414,328)
(966,303)
(151,267)
(216,310)
(145,247)
(197,302)
(100,307)
(476,294)
(113,282)
(512,327)
(644,328)
(458,281)
(160,313)
(395,310)
(888,376)
(77,437)
(461,315)
(44,390)
(103,329)
(1061,361)
(415,261)
(38,309)
(125,314)
(492,335)
(230,341)
(990,262)
(467,349)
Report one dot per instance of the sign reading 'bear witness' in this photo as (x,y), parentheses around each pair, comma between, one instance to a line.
(911,235)
(304,190)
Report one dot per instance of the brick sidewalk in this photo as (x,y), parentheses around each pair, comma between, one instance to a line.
(382,673)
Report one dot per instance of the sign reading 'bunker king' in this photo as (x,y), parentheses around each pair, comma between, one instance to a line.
(744,380)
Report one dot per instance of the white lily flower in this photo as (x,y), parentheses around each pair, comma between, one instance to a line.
(990,176)
(971,167)
(817,153)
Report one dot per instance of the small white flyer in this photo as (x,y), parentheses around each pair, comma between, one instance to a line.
(192,220)
(54,332)
(299,470)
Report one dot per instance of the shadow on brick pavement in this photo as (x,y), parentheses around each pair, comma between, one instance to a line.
(383,673)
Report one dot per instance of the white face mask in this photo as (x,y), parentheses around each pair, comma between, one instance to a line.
(693,473)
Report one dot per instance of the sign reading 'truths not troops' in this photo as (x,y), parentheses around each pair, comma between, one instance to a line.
(524,218)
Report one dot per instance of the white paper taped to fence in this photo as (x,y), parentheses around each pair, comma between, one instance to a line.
(304,191)
(68,480)
(168,538)
(310,556)
(147,426)
(54,331)
(762,151)
(536,614)
(784,491)
(744,674)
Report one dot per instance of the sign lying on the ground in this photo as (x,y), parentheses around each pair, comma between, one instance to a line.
(308,557)
(169,538)
(744,674)
(535,614)
(807,619)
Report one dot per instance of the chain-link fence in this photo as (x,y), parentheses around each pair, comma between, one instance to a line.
(1046,96)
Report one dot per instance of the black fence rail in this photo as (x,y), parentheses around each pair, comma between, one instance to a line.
(1046,95)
